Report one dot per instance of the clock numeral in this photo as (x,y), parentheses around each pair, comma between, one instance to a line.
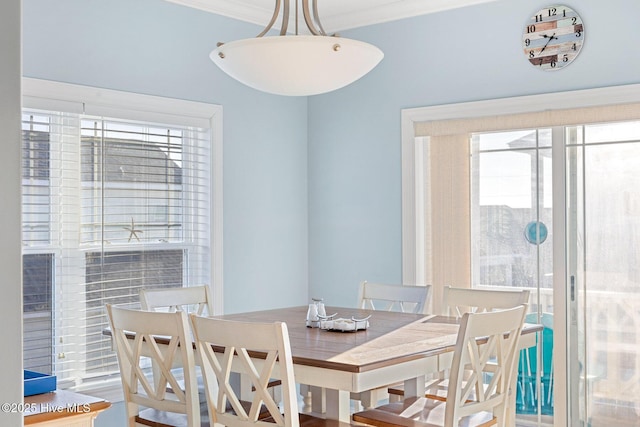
(564,13)
(531,29)
(574,20)
(527,42)
(578,33)
(539,18)
(553,64)
(574,47)
(565,57)
(532,54)
(552,11)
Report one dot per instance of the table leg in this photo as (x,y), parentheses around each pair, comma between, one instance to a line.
(338,404)
(414,387)
(318,400)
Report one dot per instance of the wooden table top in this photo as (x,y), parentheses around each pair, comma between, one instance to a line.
(59,404)
(391,338)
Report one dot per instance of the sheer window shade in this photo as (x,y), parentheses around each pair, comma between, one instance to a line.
(528,120)
(117,206)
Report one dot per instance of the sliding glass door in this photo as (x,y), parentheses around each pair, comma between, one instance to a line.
(512,221)
(591,316)
(603,273)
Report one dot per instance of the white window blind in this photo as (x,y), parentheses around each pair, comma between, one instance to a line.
(110,206)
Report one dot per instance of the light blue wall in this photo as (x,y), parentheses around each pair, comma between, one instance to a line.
(159,48)
(326,212)
(461,55)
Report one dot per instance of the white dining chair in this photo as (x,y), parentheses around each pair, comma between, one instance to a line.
(195,299)
(191,299)
(147,387)
(262,351)
(486,347)
(403,298)
(389,297)
(457,301)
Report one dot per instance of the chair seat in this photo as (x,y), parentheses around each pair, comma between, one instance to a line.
(307,420)
(155,418)
(434,389)
(418,412)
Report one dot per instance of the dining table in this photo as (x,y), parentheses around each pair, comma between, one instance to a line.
(393,348)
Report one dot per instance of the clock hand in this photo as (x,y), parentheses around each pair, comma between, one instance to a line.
(551,37)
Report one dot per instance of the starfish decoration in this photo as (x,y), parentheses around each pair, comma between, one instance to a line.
(133,231)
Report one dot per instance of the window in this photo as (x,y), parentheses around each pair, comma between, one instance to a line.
(113,201)
(511,188)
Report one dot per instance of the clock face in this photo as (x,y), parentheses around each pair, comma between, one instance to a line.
(553,37)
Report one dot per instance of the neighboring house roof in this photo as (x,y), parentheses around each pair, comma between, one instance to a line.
(130,161)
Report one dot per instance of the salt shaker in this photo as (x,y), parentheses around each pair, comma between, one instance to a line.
(312,313)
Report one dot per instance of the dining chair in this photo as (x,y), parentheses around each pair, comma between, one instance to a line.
(147,386)
(486,348)
(455,303)
(191,299)
(389,297)
(403,298)
(262,351)
(531,368)
(195,299)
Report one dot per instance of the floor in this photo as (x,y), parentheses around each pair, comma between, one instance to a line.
(605,416)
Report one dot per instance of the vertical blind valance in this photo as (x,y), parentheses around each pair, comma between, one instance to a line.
(547,118)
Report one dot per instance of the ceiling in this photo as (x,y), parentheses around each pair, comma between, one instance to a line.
(336,15)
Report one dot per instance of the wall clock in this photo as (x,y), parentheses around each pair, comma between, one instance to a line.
(553,37)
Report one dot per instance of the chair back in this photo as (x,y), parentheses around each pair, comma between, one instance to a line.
(404,298)
(457,301)
(146,361)
(483,363)
(234,341)
(192,299)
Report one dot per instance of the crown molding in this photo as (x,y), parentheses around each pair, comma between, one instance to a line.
(332,21)
(391,11)
(240,10)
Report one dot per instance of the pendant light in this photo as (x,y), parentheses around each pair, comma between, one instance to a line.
(296,65)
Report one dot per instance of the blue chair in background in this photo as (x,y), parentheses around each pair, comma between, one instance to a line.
(529,369)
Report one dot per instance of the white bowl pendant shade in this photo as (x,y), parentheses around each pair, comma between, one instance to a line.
(296,65)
